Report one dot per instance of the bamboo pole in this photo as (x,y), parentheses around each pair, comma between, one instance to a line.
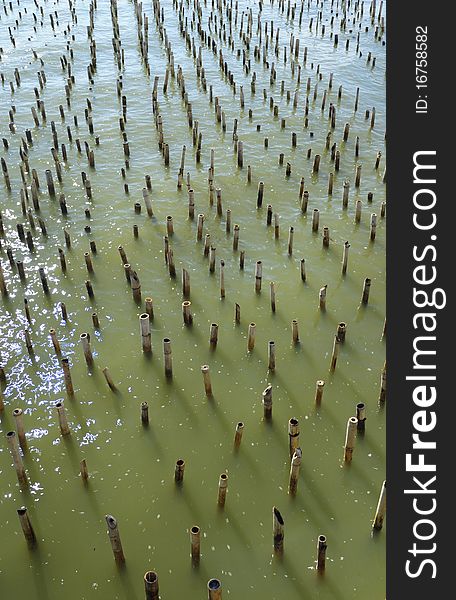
(335,353)
(315,219)
(267,402)
(222,489)
(322,297)
(167,357)
(206,380)
(383,385)
(366,291)
(361,416)
(251,337)
(150,308)
(345,258)
(55,341)
(146,340)
(114,538)
(319,391)
(293,435)
(109,379)
(321,553)
(85,341)
(213,335)
(144,413)
(271,355)
(179,470)
(26,525)
(17,459)
(350,437)
(277,530)
(187,312)
(238,434)
(151,585)
(294,331)
(83,470)
(258,276)
(373,226)
(381,509)
(67,376)
(61,415)
(303,269)
(185,283)
(18,414)
(341,331)
(222,279)
(294,471)
(195,544)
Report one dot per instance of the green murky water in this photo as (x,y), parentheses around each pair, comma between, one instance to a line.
(132,467)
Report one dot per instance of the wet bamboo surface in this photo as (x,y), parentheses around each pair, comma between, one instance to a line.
(131,462)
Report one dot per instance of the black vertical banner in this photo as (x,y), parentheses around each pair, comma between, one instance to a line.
(420,249)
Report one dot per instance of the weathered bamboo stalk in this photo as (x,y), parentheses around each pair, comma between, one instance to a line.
(271,355)
(167,358)
(381,509)
(222,489)
(321,553)
(114,538)
(85,341)
(293,435)
(319,391)
(341,331)
(238,434)
(109,379)
(350,437)
(18,414)
(151,585)
(67,376)
(179,470)
(17,458)
(361,416)
(61,415)
(294,331)
(277,530)
(27,527)
(294,471)
(195,544)
(366,291)
(345,258)
(55,341)
(335,353)
(383,385)
(206,380)
(146,338)
(322,297)
(83,470)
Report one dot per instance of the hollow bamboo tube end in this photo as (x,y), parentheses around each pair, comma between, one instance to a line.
(214,588)
(195,541)
(238,434)
(222,487)
(321,553)
(151,585)
(206,380)
(350,437)
(26,525)
(179,470)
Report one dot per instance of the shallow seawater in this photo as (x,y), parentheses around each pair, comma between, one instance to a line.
(131,466)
